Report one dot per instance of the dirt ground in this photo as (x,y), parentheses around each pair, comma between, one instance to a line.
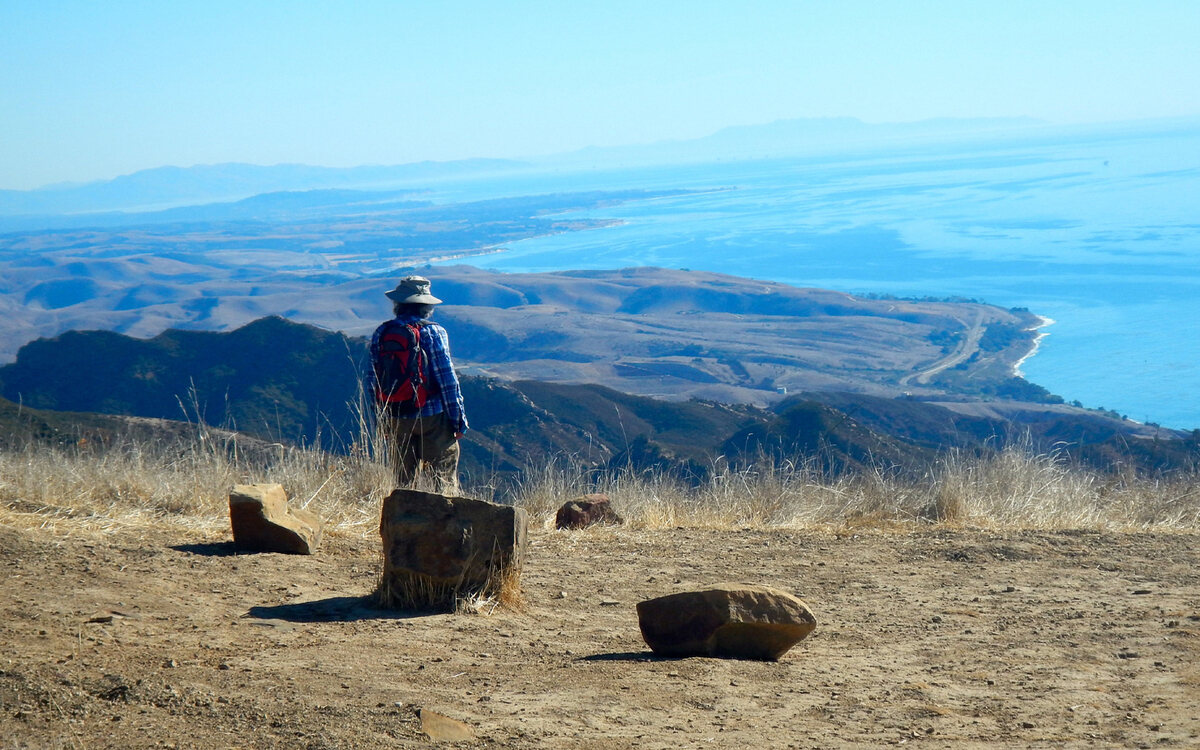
(933,638)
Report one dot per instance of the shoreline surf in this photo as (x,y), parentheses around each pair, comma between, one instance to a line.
(1043,322)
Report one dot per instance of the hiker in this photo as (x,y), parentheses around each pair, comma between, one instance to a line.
(417,399)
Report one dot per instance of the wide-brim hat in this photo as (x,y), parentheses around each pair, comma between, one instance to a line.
(413,290)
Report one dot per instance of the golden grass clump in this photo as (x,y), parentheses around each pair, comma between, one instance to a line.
(404,590)
(413,592)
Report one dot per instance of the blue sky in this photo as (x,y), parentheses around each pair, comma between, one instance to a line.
(92,90)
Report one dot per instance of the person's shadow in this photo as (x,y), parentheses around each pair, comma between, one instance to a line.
(333,609)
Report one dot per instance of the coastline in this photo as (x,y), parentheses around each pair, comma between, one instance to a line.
(1043,322)
(506,247)
(466,254)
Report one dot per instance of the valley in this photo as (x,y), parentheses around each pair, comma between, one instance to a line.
(213,312)
(324,258)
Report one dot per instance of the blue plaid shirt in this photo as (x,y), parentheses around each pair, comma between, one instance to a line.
(446,395)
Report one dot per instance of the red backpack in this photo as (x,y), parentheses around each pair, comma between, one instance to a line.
(401,370)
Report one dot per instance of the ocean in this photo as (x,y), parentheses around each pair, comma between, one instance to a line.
(1097,229)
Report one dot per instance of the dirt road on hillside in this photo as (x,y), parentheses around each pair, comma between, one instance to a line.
(932,639)
(969,345)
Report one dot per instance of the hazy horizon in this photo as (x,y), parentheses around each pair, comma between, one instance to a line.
(549,158)
(97,91)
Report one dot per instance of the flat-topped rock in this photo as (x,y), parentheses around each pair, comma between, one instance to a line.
(262,521)
(439,549)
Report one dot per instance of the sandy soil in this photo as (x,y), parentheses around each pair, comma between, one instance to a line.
(936,638)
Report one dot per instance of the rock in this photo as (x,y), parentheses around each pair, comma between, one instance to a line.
(263,522)
(440,550)
(729,620)
(441,728)
(586,510)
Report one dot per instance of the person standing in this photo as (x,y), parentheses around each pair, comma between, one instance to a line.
(417,398)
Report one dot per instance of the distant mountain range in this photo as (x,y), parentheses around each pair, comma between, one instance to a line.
(276,380)
(807,137)
(167,187)
(172,186)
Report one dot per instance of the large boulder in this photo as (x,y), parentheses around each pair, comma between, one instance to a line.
(730,620)
(439,551)
(586,510)
(263,522)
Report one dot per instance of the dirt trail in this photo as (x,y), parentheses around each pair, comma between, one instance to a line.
(934,638)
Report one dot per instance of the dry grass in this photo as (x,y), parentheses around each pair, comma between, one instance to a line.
(183,485)
(413,591)
(186,485)
(1014,489)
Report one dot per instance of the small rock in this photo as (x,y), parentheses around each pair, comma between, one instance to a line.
(444,729)
(105,617)
(586,510)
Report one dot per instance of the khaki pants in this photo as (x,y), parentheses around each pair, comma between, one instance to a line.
(416,441)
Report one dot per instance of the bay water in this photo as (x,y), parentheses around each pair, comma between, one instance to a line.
(1096,229)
